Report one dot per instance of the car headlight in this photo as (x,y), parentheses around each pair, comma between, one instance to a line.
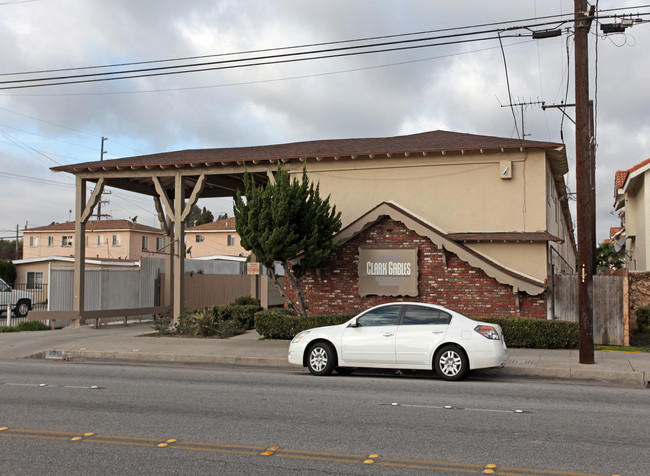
(299,336)
(488,332)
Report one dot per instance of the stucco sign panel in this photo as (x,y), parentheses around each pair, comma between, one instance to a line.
(388,271)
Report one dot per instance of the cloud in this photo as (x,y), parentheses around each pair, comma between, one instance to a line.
(456,87)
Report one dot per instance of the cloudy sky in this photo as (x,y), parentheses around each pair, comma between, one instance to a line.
(458,87)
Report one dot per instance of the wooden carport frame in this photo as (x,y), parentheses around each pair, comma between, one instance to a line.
(169,185)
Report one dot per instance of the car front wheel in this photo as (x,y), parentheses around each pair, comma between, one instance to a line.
(321,359)
(22,308)
(451,363)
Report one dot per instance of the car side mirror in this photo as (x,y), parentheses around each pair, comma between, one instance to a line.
(354,323)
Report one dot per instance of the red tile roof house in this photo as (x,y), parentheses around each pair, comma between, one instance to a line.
(483,220)
(109,239)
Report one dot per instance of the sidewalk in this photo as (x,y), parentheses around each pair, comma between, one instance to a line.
(119,343)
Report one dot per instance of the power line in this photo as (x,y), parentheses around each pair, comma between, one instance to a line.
(562,17)
(224,65)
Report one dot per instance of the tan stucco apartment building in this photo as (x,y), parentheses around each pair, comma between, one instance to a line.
(477,223)
(218,238)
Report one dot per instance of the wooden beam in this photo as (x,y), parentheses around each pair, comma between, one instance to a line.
(165,221)
(92,202)
(198,188)
(162,194)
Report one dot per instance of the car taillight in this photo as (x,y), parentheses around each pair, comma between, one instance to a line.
(488,332)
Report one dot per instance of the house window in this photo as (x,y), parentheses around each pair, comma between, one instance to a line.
(200,238)
(33,241)
(117,240)
(34,280)
(160,243)
(145,243)
(66,241)
(100,240)
(87,240)
(50,241)
(231,240)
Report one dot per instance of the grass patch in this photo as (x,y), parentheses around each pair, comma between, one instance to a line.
(620,348)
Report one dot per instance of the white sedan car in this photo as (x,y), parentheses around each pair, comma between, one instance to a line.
(402,335)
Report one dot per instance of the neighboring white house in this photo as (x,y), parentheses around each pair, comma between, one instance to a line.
(632,200)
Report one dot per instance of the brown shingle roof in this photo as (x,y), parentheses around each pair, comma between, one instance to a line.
(434,141)
(98,226)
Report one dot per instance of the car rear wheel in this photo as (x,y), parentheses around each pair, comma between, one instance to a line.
(22,308)
(321,359)
(451,363)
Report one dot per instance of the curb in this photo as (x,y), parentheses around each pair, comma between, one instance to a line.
(627,379)
(232,360)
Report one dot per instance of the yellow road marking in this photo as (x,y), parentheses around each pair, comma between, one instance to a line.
(278,452)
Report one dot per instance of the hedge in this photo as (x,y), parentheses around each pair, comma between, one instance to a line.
(280,324)
(518,332)
(536,333)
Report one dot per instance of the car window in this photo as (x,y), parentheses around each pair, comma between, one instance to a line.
(384,316)
(419,315)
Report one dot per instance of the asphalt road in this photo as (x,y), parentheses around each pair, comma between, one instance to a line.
(70,418)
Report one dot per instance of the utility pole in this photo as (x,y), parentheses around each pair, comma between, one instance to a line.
(99,203)
(585,206)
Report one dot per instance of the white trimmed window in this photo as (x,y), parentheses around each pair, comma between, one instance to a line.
(145,243)
(200,238)
(117,240)
(66,241)
(34,280)
(50,241)
(231,240)
(33,241)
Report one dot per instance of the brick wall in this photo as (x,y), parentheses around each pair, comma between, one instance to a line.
(457,285)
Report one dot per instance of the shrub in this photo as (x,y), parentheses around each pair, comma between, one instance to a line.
(8,329)
(642,317)
(219,321)
(244,314)
(280,324)
(536,333)
(8,271)
(162,325)
(32,326)
(246,301)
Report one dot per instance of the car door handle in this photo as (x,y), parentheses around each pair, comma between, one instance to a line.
(438,332)
(387,334)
